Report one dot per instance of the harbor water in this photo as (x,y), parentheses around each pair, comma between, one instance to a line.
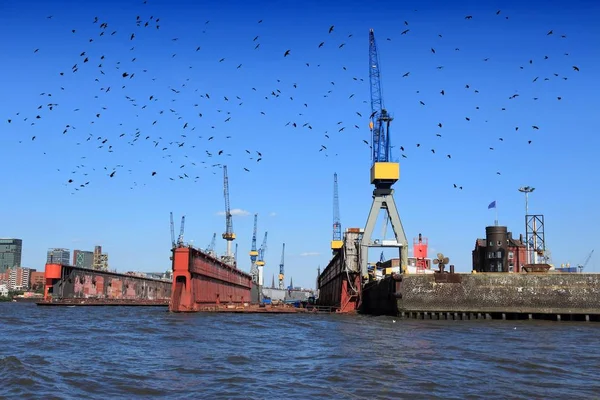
(147,352)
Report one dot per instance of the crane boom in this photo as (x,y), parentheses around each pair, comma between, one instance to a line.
(180,239)
(253,251)
(229,236)
(211,247)
(587,260)
(336,243)
(380,119)
(281,268)
(261,252)
(172,232)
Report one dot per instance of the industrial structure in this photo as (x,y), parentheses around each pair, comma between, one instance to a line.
(336,242)
(260,262)
(384,173)
(254,253)
(281,268)
(210,249)
(229,236)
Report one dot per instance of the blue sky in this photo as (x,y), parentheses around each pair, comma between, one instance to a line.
(254,98)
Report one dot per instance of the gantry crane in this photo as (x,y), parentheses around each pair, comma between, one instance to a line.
(229,236)
(337,242)
(384,173)
(254,253)
(281,268)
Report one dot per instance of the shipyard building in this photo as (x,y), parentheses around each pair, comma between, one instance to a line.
(499,252)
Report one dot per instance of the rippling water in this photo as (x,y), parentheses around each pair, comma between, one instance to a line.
(130,352)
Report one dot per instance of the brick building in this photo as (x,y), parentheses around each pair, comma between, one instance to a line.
(499,252)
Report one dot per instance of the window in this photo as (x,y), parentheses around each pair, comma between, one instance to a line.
(499,254)
(511,255)
(511,268)
(499,243)
(491,243)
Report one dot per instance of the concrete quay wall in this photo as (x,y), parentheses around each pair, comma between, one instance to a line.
(560,293)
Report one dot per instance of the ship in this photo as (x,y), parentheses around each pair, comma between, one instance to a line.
(200,281)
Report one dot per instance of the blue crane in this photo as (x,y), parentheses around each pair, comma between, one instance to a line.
(229,236)
(336,243)
(211,246)
(254,252)
(384,172)
(281,268)
(261,252)
(380,119)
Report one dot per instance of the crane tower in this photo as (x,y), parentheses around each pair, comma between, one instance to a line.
(260,263)
(281,268)
(254,253)
(229,236)
(384,173)
(337,242)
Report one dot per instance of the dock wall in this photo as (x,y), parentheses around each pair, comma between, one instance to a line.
(486,294)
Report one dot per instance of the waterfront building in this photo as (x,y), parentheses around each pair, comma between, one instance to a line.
(10,253)
(59,256)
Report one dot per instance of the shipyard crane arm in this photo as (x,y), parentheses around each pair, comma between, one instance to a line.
(336,242)
(380,119)
(180,239)
(213,242)
(172,231)
(253,251)
(587,260)
(281,268)
(262,251)
(228,235)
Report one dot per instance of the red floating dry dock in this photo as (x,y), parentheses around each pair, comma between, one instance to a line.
(200,280)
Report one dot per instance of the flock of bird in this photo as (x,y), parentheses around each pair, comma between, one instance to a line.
(204,132)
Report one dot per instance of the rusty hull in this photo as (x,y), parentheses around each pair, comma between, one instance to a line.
(200,280)
(66,282)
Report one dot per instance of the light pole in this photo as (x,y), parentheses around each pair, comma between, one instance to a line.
(526,190)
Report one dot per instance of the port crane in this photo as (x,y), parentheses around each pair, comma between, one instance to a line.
(585,263)
(210,249)
(337,242)
(254,253)
(261,252)
(172,232)
(281,268)
(384,173)
(180,238)
(229,236)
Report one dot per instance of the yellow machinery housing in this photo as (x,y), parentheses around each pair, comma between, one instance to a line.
(385,172)
(336,244)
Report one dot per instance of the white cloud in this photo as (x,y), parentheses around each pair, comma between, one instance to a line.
(310,254)
(272,214)
(236,211)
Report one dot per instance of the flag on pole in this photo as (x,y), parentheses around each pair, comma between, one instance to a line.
(492,204)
